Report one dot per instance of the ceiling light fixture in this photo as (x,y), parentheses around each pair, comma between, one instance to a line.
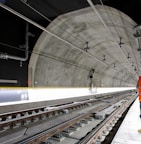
(135,69)
(120,42)
(114,65)
(129,56)
(104,57)
(86,46)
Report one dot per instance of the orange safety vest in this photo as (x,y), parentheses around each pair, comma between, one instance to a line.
(139,98)
(139,94)
(139,88)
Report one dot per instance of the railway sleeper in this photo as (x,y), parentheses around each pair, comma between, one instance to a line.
(74,128)
(58,137)
(67,132)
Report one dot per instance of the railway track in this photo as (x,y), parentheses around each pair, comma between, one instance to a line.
(99,133)
(54,123)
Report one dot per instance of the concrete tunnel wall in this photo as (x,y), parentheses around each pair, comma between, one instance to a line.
(54,63)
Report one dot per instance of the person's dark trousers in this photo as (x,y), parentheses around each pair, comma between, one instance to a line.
(140,109)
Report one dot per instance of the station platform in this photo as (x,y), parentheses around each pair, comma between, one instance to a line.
(128,131)
(44,97)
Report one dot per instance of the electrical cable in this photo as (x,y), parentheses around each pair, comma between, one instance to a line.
(35,24)
(52,34)
(94,9)
(53,58)
(48,18)
(49,56)
(115,27)
(117,31)
(120,71)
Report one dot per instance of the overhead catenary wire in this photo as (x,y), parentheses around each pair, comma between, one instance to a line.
(87,68)
(94,9)
(110,18)
(49,56)
(28,5)
(114,41)
(54,22)
(54,35)
(24,2)
(117,31)
(49,20)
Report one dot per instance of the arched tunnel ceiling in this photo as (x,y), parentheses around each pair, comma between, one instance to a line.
(112,50)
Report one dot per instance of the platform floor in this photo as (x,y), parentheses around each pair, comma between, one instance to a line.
(128,131)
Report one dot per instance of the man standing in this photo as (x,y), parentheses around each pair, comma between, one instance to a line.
(139,92)
(139,96)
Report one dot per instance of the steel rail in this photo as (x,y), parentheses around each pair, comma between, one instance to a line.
(94,135)
(32,114)
(37,138)
(38,113)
